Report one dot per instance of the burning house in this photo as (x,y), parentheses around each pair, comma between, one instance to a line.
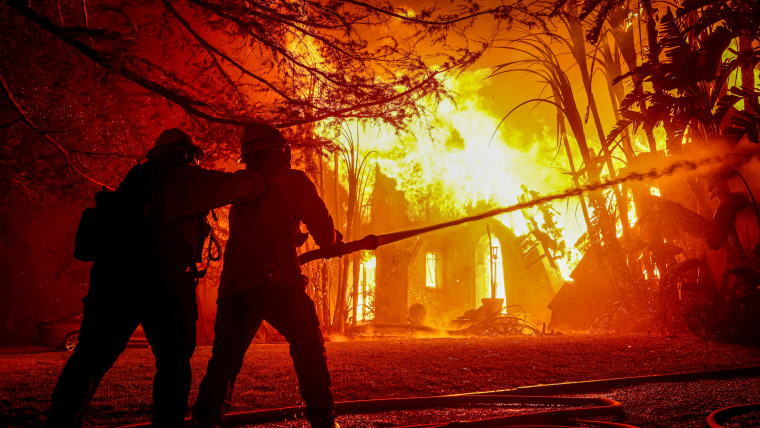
(442,275)
(457,167)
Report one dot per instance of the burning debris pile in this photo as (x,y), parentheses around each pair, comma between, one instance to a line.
(496,324)
(490,319)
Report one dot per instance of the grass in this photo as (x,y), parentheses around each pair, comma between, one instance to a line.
(364,369)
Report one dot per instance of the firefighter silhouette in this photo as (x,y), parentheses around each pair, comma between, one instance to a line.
(262,280)
(150,281)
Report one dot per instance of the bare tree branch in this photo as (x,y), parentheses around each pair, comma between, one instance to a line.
(504,10)
(344,79)
(208,46)
(47,137)
(15,121)
(342,113)
(185,102)
(335,78)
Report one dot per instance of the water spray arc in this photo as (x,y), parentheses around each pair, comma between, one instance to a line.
(679,166)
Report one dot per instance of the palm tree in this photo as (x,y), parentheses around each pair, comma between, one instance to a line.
(542,61)
(691,89)
(357,177)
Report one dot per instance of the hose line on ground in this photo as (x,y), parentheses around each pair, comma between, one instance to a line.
(720,417)
(538,395)
(595,407)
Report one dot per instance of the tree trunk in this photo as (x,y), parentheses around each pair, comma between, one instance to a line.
(576,182)
(356,268)
(335,325)
(751,104)
(341,308)
(323,270)
(339,317)
(579,52)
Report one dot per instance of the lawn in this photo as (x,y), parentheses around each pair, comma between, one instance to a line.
(365,369)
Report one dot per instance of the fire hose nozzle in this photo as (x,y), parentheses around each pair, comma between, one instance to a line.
(369,242)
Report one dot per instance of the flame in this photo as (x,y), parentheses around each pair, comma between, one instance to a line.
(366,298)
(457,164)
(492,271)
(467,159)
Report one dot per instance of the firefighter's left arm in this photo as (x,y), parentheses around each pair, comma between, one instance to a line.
(208,189)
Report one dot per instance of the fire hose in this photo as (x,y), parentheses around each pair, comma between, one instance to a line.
(720,417)
(537,395)
(371,242)
(596,407)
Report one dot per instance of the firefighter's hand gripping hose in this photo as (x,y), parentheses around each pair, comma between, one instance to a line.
(369,242)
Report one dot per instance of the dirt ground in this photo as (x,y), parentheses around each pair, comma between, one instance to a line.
(399,367)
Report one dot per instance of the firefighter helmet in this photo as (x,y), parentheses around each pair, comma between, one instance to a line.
(260,136)
(175,140)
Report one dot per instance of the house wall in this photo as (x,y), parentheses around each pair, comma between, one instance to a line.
(455,292)
(529,287)
(527,281)
(400,272)
(392,269)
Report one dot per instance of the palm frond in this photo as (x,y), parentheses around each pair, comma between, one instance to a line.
(725,104)
(618,129)
(641,72)
(592,34)
(558,5)
(711,51)
(673,39)
(689,6)
(725,71)
(588,6)
(707,17)
(675,127)
(633,98)
(743,123)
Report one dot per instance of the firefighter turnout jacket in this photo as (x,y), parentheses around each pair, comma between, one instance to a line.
(264,233)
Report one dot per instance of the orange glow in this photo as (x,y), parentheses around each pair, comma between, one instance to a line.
(490,270)
(366,299)
(464,161)
(432,270)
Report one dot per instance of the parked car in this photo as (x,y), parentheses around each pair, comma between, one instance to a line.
(63,333)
